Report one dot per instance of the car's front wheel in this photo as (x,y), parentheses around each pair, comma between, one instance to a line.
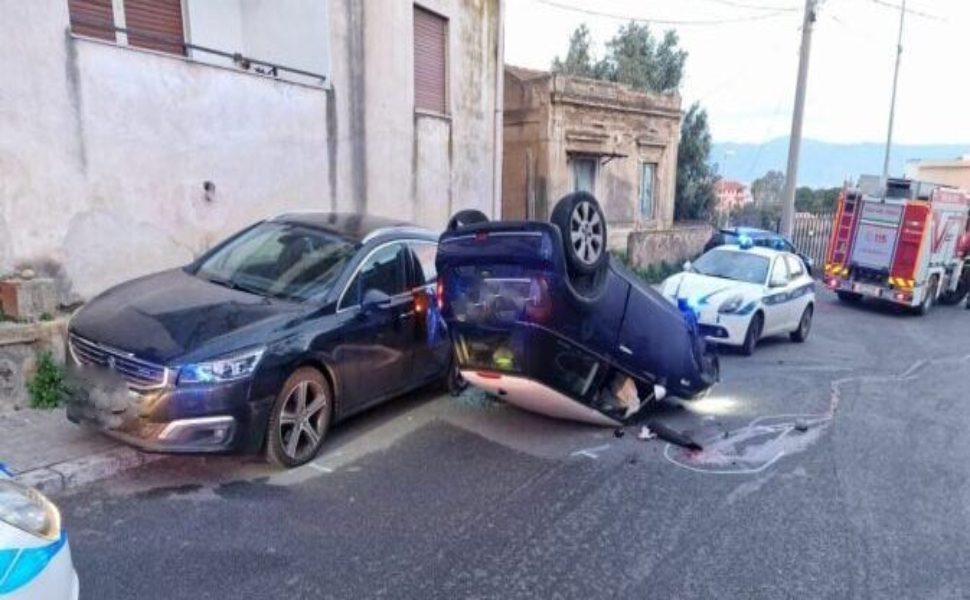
(300,419)
(804,325)
(753,334)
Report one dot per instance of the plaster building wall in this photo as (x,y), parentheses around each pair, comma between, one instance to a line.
(954,173)
(552,120)
(105,149)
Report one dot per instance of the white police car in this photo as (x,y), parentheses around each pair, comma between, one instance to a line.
(35,558)
(742,293)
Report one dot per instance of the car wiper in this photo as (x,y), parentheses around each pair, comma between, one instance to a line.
(232,285)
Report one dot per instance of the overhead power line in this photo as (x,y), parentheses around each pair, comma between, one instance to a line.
(596,13)
(754,6)
(911,11)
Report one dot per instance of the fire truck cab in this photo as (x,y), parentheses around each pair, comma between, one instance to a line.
(900,241)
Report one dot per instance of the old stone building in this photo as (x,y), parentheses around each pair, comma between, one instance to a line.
(564,133)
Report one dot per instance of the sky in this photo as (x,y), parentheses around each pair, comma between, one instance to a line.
(743,68)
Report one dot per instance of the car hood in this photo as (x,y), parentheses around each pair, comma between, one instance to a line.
(703,289)
(174,316)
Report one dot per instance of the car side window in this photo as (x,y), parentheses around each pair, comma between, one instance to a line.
(424,257)
(779,273)
(795,266)
(383,270)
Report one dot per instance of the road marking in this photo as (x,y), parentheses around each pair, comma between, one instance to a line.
(591,452)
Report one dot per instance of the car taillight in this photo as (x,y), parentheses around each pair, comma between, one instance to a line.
(439,293)
(538,305)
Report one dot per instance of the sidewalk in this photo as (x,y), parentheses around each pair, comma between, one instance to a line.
(46,451)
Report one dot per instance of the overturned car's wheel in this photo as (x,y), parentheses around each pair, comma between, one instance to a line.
(300,419)
(464,218)
(583,227)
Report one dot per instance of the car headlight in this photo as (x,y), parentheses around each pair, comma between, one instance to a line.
(731,305)
(28,510)
(230,368)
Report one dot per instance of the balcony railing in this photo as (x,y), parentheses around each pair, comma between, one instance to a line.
(245,63)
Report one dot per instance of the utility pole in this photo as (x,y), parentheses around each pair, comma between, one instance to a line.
(795,140)
(892,105)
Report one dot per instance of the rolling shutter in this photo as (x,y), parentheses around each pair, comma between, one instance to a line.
(92,18)
(430,61)
(155,24)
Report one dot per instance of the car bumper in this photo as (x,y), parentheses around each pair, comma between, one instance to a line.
(533,396)
(58,580)
(729,330)
(194,419)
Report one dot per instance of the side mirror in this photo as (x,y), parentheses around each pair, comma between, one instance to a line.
(688,266)
(374,299)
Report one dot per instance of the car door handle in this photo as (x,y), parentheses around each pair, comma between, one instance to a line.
(625,350)
(406,315)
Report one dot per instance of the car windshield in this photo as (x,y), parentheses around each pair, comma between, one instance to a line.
(729,264)
(279,260)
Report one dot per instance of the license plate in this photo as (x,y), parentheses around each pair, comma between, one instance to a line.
(868,290)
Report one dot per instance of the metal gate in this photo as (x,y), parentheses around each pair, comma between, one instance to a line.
(810,235)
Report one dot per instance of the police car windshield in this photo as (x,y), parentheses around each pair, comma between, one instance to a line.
(730,264)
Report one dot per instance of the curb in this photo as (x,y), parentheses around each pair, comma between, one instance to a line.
(61,477)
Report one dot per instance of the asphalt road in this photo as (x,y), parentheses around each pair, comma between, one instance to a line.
(834,469)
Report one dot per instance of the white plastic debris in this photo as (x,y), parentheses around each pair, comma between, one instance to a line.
(645,434)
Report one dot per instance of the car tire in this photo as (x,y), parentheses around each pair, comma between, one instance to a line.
(751,337)
(582,224)
(804,326)
(929,299)
(464,218)
(454,382)
(954,297)
(308,418)
(849,297)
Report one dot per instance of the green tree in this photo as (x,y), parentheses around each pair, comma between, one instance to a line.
(695,175)
(767,190)
(579,58)
(636,59)
(633,57)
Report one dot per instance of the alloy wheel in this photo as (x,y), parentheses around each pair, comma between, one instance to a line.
(586,233)
(303,419)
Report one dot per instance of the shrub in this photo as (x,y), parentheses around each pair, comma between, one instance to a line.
(46,387)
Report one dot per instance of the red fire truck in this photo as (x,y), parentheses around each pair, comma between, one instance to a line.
(902,241)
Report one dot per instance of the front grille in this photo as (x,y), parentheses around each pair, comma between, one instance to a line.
(140,374)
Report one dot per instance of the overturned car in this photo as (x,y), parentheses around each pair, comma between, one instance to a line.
(542,316)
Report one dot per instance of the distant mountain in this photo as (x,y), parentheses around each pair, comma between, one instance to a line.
(821,164)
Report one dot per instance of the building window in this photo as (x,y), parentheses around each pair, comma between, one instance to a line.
(153,24)
(584,174)
(92,18)
(430,61)
(648,173)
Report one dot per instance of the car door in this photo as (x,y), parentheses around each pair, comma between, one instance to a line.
(801,288)
(376,344)
(431,346)
(776,306)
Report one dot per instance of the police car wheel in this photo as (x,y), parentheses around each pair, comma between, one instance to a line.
(804,326)
(754,332)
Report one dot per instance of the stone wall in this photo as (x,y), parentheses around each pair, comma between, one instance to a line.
(672,246)
(20,345)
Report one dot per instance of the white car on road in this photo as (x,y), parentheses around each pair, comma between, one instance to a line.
(35,558)
(742,293)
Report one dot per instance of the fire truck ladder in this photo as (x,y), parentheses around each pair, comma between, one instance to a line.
(842,237)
